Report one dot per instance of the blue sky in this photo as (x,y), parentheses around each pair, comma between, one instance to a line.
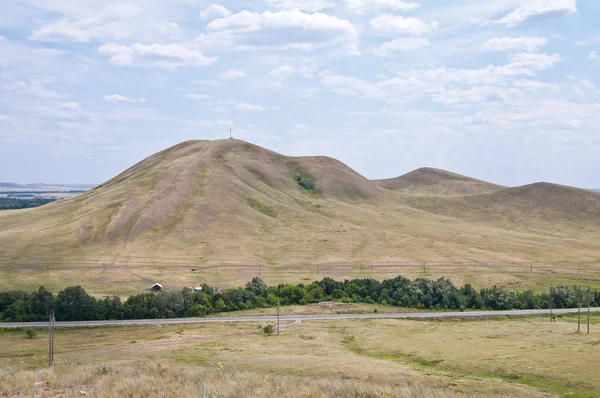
(505,90)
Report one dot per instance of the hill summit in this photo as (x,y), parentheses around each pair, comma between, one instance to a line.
(230,201)
(438,182)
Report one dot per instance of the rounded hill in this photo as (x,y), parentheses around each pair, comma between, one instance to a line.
(430,181)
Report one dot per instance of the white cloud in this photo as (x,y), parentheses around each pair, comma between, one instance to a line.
(117,98)
(214,11)
(198,96)
(3,117)
(400,44)
(478,118)
(396,25)
(307,71)
(534,61)
(144,100)
(593,55)
(164,56)
(244,106)
(278,30)
(282,72)
(52,52)
(451,86)
(477,94)
(108,23)
(530,44)
(232,74)
(363,6)
(212,83)
(32,88)
(70,106)
(533,10)
(303,5)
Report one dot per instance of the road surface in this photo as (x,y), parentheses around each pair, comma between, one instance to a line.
(325,317)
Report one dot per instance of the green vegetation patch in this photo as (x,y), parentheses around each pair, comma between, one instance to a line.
(259,175)
(264,209)
(305,181)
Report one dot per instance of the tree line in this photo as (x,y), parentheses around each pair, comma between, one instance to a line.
(74,304)
(20,203)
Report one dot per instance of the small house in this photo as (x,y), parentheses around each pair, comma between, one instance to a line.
(157,287)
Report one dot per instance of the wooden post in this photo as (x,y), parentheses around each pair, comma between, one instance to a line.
(216,270)
(579,309)
(258,269)
(47,270)
(532,267)
(588,303)
(318,269)
(424,266)
(550,303)
(51,341)
(278,317)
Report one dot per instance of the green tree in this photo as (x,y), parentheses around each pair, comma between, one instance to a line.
(257,286)
(74,304)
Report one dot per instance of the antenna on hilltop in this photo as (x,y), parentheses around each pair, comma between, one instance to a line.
(230,135)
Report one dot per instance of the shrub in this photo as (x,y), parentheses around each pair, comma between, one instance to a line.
(269,330)
(306,182)
(30,333)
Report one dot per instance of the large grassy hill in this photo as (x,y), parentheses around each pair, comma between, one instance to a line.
(231,202)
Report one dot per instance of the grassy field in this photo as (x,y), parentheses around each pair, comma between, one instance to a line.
(125,282)
(494,357)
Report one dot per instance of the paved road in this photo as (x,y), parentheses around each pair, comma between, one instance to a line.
(330,317)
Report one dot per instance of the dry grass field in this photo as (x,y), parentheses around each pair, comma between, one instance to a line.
(209,203)
(495,357)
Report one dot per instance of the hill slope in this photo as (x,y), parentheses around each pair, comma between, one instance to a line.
(429,181)
(228,201)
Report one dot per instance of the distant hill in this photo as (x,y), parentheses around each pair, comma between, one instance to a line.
(429,181)
(232,202)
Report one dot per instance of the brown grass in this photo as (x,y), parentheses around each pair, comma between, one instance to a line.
(428,181)
(191,206)
(159,380)
(447,358)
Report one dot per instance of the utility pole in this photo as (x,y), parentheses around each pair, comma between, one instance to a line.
(588,303)
(51,341)
(579,309)
(277,317)
(550,303)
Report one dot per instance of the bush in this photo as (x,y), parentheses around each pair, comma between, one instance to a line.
(30,333)
(305,182)
(269,330)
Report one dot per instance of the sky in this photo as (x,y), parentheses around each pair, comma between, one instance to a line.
(506,91)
